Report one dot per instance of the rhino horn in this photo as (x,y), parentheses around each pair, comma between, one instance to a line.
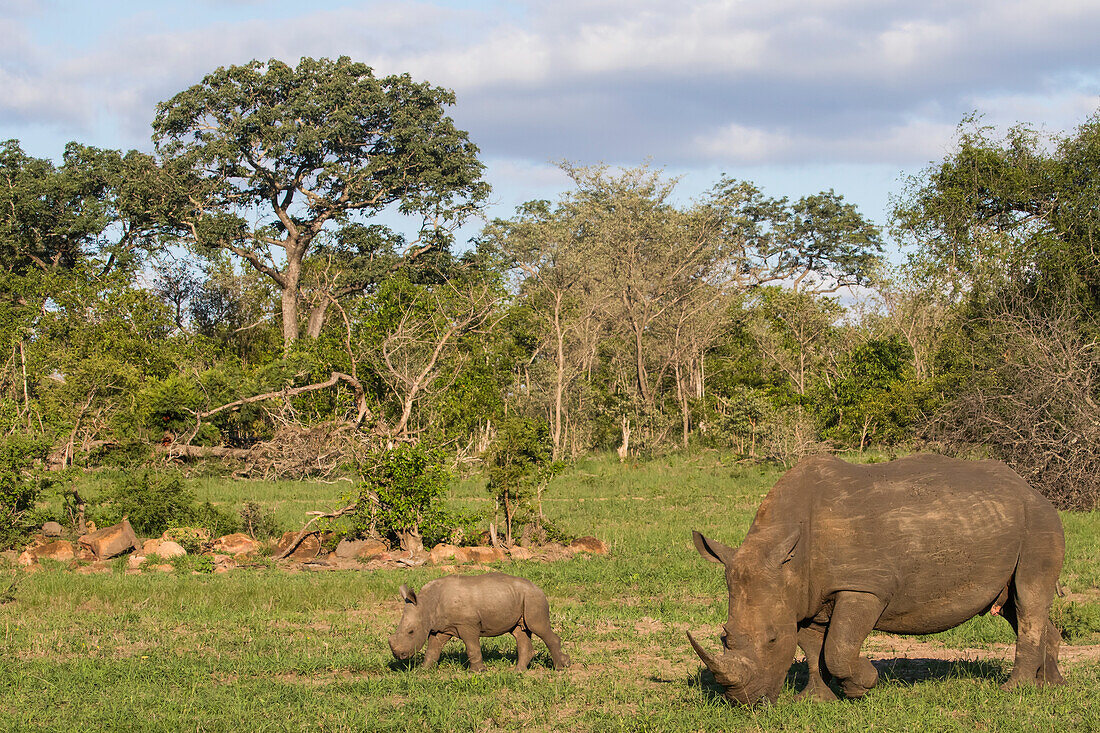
(727,671)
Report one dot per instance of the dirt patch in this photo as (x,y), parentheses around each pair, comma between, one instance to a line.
(903,647)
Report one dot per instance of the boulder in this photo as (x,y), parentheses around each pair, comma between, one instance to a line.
(135,561)
(588,544)
(478,554)
(347,549)
(52,529)
(235,544)
(59,550)
(149,547)
(168,549)
(371,549)
(520,553)
(307,549)
(441,553)
(111,541)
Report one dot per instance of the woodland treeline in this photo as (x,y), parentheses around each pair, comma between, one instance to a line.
(244,293)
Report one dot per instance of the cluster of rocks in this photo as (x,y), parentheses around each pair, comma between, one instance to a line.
(92,551)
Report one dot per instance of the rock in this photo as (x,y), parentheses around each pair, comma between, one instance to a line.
(235,544)
(478,554)
(111,541)
(162,568)
(89,527)
(349,548)
(371,549)
(60,550)
(307,549)
(520,553)
(26,558)
(360,549)
(219,569)
(588,544)
(135,561)
(189,536)
(52,529)
(84,554)
(149,547)
(169,549)
(441,553)
(225,561)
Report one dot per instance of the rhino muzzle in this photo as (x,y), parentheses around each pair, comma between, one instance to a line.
(732,673)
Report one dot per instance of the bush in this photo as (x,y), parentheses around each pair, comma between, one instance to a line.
(400,497)
(19,485)
(153,502)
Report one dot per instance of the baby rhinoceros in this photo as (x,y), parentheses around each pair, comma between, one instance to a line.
(471,607)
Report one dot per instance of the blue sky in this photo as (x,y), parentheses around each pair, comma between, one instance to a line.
(795,95)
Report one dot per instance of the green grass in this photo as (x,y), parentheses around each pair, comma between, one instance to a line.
(268,650)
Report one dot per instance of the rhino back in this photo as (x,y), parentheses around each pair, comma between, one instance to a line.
(493,603)
(937,538)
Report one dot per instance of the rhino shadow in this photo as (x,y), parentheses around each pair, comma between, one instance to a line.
(457,657)
(909,671)
(901,670)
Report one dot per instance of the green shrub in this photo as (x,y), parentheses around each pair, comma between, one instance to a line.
(400,497)
(153,502)
(19,484)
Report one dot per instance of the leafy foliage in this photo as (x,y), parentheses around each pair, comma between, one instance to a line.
(154,502)
(401,496)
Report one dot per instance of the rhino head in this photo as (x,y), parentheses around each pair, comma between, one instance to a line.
(412,629)
(761,632)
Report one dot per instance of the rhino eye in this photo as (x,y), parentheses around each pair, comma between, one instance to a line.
(411,631)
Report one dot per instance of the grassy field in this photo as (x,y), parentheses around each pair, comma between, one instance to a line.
(266,649)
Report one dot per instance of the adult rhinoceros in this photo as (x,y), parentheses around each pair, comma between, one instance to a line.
(913,546)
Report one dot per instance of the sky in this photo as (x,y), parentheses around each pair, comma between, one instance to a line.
(798,96)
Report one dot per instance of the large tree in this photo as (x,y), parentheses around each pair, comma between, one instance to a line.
(281,155)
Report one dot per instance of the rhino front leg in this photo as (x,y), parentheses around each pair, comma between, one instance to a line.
(854,617)
(472,639)
(812,641)
(434,647)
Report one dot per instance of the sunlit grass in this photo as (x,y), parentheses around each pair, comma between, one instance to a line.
(265,649)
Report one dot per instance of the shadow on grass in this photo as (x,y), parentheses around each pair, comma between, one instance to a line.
(456,657)
(901,671)
(912,671)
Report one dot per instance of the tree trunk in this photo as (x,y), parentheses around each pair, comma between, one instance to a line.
(317,319)
(289,298)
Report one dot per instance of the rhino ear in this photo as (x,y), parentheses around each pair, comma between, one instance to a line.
(408,595)
(712,549)
(785,549)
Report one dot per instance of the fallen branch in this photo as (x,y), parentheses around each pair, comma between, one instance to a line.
(337,377)
(305,530)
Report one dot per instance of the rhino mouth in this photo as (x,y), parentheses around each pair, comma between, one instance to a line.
(732,673)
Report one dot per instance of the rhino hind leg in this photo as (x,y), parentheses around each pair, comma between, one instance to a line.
(536,619)
(1028,610)
(853,618)
(525,650)
(1047,672)
(812,641)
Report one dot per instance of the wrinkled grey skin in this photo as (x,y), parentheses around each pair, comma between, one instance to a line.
(913,546)
(470,607)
